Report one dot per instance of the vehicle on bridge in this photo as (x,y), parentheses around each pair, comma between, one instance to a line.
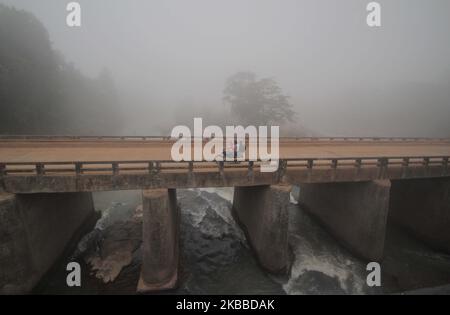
(234,150)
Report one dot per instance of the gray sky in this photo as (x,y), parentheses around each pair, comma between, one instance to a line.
(343,77)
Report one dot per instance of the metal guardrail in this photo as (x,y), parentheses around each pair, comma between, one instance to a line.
(155,167)
(80,138)
(168,138)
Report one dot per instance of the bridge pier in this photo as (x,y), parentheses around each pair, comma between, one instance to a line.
(355,213)
(422,206)
(160,240)
(262,212)
(34,232)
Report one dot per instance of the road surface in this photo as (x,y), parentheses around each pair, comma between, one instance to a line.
(125,150)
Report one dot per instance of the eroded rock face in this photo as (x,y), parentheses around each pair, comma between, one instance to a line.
(115,248)
(215,256)
(211,239)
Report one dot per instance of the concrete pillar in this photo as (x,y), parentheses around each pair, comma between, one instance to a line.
(422,206)
(34,232)
(355,213)
(262,212)
(160,240)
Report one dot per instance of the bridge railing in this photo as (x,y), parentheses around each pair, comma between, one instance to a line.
(168,138)
(153,167)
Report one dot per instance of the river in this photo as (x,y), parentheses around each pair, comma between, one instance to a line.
(216,259)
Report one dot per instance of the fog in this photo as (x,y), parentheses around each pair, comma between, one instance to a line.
(170,59)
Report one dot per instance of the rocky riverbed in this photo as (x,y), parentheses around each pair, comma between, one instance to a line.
(216,258)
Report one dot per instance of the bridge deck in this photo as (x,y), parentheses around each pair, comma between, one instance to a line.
(125,150)
(87,164)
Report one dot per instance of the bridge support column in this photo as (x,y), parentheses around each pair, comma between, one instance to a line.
(262,211)
(160,240)
(355,213)
(35,229)
(422,206)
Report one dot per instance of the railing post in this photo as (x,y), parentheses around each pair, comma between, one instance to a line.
(405,165)
(282,165)
(405,162)
(309,166)
(334,163)
(358,163)
(78,168)
(115,168)
(250,169)
(40,170)
(445,164)
(382,164)
(154,167)
(2,169)
(150,167)
(221,166)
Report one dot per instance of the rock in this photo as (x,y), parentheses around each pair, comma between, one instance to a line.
(115,249)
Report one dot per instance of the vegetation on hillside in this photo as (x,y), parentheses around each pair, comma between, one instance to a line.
(40,93)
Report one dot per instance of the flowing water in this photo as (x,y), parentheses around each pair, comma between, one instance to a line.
(216,259)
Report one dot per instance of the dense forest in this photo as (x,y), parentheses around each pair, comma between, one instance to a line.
(41,93)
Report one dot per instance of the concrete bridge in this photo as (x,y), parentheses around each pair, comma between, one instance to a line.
(352,185)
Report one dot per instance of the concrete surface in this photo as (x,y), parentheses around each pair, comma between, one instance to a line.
(62,177)
(355,213)
(160,240)
(262,212)
(34,231)
(104,150)
(422,206)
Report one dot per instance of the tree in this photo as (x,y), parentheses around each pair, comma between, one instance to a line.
(257,102)
(40,93)
(28,73)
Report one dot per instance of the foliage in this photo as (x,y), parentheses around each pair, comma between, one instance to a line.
(42,94)
(257,102)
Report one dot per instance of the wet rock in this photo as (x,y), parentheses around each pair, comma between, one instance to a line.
(116,248)
(208,241)
(315,282)
(216,258)
(320,263)
(215,254)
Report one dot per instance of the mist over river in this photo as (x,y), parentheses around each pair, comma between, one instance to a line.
(216,258)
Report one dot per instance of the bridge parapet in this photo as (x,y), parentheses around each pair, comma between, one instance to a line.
(74,138)
(158,166)
(63,176)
